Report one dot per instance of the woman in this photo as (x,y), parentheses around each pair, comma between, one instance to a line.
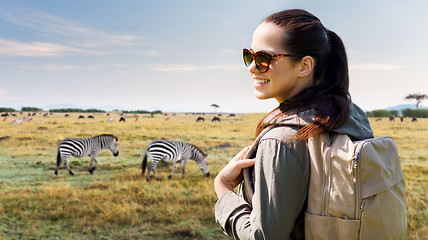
(294,59)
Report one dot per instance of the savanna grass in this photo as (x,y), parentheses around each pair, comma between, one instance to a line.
(117,203)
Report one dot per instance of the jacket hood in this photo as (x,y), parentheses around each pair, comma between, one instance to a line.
(357,127)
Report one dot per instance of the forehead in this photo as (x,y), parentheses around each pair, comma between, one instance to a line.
(268,37)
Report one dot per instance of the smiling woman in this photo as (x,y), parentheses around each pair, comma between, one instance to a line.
(297,61)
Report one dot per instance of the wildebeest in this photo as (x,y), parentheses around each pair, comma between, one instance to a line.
(122,119)
(173,152)
(79,147)
(90,116)
(391,119)
(414,119)
(66,115)
(215,119)
(81,117)
(200,119)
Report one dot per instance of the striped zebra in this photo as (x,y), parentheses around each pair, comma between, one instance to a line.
(173,152)
(79,147)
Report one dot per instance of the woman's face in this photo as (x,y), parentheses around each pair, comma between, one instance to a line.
(283,79)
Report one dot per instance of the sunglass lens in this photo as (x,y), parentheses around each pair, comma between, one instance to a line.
(248,57)
(262,62)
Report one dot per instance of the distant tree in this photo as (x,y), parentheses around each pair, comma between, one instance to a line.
(93,110)
(420,113)
(134,111)
(418,97)
(215,106)
(393,113)
(31,109)
(379,113)
(156,112)
(5,109)
(66,110)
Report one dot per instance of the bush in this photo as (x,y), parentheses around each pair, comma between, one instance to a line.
(67,110)
(31,109)
(380,113)
(3,109)
(420,113)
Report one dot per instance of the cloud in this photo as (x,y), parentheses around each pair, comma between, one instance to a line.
(151,53)
(175,68)
(4,95)
(100,66)
(40,49)
(181,68)
(58,67)
(375,66)
(65,30)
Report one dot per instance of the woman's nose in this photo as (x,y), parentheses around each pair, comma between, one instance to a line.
(252,68)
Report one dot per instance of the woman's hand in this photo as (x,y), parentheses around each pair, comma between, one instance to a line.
(231,175)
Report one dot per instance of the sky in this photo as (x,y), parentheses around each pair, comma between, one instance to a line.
(185,55)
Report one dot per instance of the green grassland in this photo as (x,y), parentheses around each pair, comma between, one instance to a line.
(117,203)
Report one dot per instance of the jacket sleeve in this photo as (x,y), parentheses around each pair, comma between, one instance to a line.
(280,190)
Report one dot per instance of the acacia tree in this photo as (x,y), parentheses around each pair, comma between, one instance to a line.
(418,97)
(215,106)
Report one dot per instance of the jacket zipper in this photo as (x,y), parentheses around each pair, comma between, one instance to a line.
(326,190)
(356,179)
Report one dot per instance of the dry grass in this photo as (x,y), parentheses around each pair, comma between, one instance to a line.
(117,203)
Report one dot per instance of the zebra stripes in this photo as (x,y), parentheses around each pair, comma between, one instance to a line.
(173,152)
(79,147)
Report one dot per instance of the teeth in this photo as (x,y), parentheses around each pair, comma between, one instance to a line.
(261,80)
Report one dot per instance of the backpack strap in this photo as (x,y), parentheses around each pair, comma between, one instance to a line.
(247,172)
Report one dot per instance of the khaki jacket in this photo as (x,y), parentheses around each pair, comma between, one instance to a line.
(281,180)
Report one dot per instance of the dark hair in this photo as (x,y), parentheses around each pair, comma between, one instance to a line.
(328,94)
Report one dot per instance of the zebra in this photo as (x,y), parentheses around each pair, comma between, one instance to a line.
(173,152)
(17,121)
(79,147)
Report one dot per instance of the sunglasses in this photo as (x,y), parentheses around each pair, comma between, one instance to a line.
(262,59)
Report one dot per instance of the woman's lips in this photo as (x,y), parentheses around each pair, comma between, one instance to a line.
(258,82)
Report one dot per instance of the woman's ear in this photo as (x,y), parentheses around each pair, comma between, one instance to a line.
(306,66)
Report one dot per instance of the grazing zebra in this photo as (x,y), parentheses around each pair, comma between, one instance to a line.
(79,147)
(173,152)
(17,121)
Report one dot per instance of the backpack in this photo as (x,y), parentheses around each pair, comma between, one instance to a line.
(356,188)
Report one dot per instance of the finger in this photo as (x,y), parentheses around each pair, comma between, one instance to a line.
(244,163)
(242,153)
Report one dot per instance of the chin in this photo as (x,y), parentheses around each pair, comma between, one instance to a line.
(260,95)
